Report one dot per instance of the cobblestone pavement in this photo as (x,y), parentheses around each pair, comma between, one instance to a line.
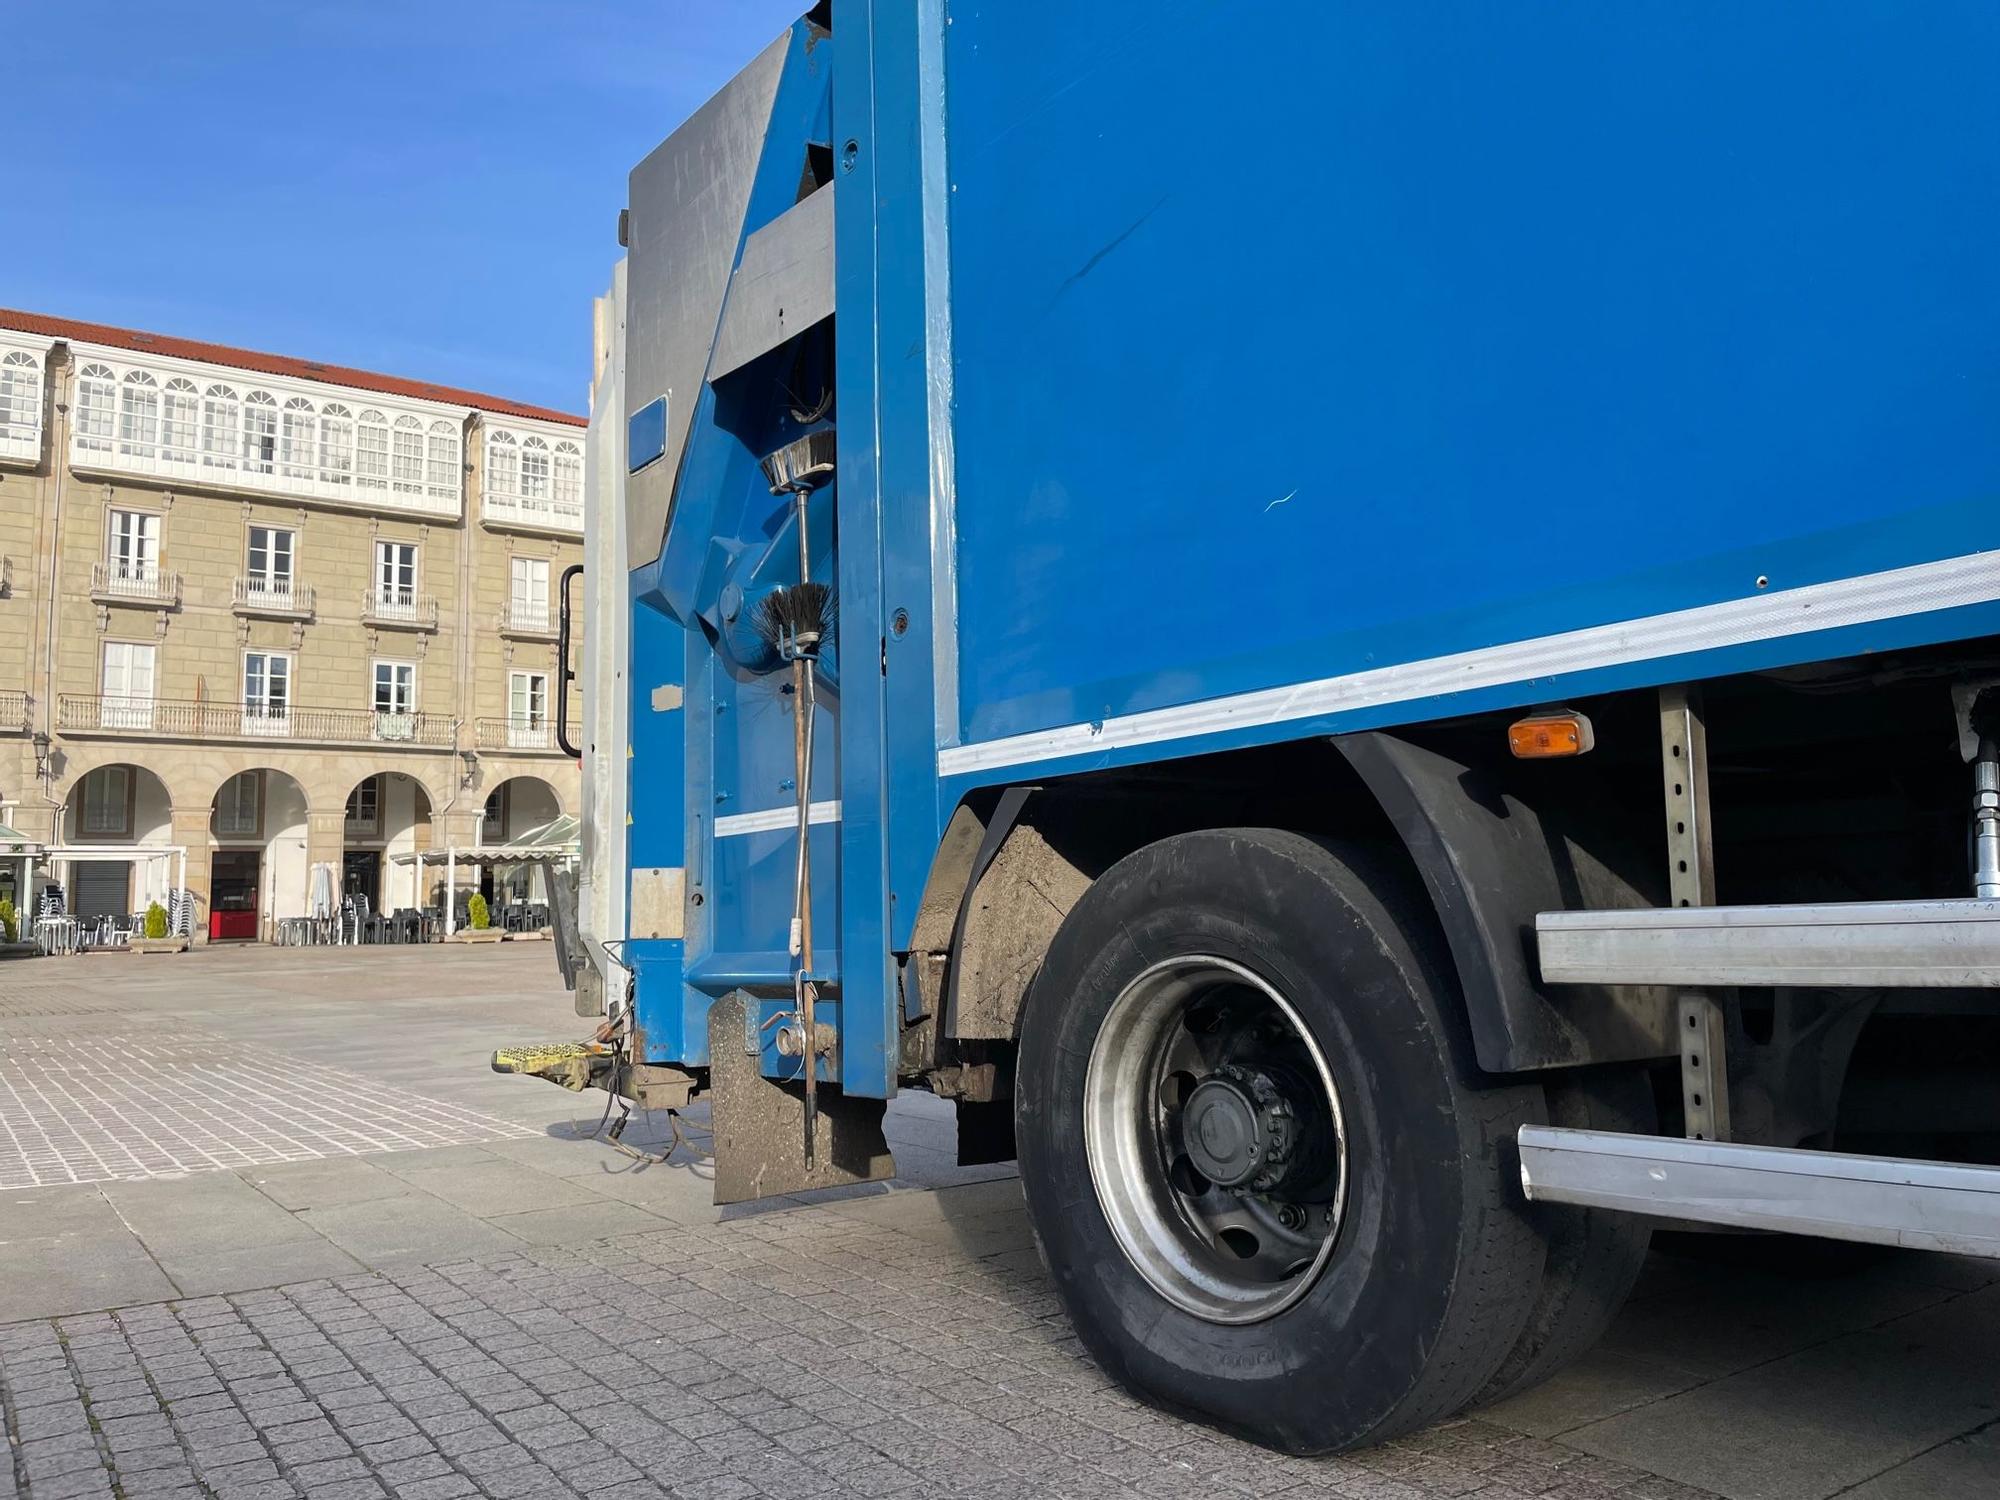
(179,1102)
(538,1314)
(791,1354)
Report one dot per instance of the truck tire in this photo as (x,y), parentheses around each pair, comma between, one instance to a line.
(1594,1255)
(1266,1178)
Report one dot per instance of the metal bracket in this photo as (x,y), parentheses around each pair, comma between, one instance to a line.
(1691,882)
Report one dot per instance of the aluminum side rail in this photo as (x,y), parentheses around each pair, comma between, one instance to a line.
(1870,945)
(1876,1200)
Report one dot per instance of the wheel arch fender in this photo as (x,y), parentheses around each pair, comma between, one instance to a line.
(1495,844)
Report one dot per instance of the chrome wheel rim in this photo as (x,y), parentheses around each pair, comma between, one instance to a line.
(1215,1139)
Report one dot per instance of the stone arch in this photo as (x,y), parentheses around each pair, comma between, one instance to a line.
(388,813)
(514,805)
(113,801)
(259,841)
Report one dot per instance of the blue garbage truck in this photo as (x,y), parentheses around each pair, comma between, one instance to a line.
(1368,631)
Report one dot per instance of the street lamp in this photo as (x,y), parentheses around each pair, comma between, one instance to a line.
(41,743)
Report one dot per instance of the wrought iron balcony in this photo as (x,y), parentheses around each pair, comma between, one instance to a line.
(529,736)
(95,714)
(272,599)
(399,609)
(523,619)
(129,583)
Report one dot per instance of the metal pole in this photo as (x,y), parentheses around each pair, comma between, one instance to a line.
(1691,882)
(450,889)
(1986,822)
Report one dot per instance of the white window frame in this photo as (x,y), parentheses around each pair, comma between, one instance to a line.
(124,702)
(528,592)
(392,596)
(96,408)
(298,439)
(399,701)
(528,726)
(138,415)
(267,713)
(221,425)
(406,456)
(260,433)
(132,551)
(336,443)
(20,404)
(180,421)
(268,583)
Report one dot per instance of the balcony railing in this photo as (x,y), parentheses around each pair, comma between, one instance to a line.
(531,513)
(273,598)
(14,713)
(523,617)
(528,735)
(399,609)
(130,583)
(82,714)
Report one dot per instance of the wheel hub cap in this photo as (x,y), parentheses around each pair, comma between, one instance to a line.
(1214,1135)
(1239,1129)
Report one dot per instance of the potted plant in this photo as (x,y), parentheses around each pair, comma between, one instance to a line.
(480,915)
(10,921)
(157,939)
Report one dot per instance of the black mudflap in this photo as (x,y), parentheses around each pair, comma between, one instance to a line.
(760,1124)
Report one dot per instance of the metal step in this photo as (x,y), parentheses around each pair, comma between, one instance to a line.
(1877,1200)
(1873,945)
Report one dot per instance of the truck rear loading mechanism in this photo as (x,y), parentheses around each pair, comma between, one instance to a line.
(1404,674)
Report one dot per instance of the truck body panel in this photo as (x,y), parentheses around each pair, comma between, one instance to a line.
(1414,363)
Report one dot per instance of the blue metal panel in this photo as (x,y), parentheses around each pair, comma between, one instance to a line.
(729,539)
(655,833)
(646,434)
(889,353)
(1433,327)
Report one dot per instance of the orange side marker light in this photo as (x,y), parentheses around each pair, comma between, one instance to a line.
(1550,734)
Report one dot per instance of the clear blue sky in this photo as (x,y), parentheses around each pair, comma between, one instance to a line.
(429,188)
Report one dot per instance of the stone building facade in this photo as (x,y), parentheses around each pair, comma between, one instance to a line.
(260,615)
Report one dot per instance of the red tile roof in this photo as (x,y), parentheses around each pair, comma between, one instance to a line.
(273,364)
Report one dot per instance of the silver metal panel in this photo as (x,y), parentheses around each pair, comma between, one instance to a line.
(782,286)
(687,205)
(1877,1200)
(606,628)
(931,23)
(1868,945)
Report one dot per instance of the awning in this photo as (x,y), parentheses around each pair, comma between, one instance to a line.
(557,839)
(14,843)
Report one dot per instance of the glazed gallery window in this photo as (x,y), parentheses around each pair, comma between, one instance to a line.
(20,397)
(364,806)
(107,801)
(239,806)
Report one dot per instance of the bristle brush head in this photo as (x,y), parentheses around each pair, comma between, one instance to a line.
(795,619)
